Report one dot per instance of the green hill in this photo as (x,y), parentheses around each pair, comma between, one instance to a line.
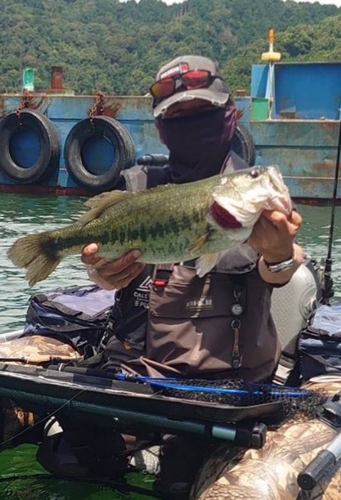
(117,47)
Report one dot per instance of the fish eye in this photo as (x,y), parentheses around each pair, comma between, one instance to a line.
(254,173)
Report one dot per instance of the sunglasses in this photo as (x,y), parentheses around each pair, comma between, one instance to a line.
(194,79)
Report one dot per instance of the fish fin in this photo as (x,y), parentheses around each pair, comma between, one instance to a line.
(205,263)
(197,245)
(29,252)
(100,203)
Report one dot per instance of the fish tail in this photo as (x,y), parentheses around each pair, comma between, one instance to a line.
(30,253)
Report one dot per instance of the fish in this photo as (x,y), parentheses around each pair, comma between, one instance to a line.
(171,223)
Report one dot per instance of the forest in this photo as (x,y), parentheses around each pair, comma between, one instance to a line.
(117,47)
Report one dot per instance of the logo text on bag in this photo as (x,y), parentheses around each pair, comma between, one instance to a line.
(200,303)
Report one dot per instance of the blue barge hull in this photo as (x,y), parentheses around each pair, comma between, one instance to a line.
(64,112)
(306,153)
(292,115)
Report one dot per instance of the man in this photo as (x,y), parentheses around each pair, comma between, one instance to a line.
(151,332)
(195,117)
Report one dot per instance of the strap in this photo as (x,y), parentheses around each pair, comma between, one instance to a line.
(233,162)
(287,371)
(320,359)
(135,178)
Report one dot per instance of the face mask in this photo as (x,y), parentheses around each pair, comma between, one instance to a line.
(198,144)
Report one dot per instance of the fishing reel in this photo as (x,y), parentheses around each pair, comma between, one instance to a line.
(325,280)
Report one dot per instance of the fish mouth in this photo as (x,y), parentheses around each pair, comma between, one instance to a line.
(281,196)
(223,218)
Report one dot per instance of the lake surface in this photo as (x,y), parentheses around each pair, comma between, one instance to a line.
(23,214)
(20,215)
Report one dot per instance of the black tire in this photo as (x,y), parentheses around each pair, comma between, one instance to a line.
(49,144)
(116,134)
(243,145)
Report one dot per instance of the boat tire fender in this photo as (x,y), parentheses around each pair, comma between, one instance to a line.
(116,134)
(243,144)
(49,153)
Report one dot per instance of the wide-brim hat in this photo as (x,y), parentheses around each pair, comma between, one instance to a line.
(217,93)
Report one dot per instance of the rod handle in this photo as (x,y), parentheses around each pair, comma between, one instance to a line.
(156,159)
(314,472)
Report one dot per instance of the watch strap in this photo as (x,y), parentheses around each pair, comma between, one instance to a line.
(279,267)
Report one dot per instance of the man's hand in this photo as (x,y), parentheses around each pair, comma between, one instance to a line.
(274,234)
(114,274)
(273,238)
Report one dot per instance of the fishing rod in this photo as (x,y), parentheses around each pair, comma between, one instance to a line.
(228,387)
(327,285)
(214,387)
(234,393)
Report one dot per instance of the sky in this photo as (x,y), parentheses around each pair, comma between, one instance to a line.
(323,2)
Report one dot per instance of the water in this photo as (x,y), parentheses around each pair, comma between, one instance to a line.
(16,484)
(19,215)
(22,214)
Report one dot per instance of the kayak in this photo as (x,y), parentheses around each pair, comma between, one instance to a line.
(88,395)
(271,473)
(260,448)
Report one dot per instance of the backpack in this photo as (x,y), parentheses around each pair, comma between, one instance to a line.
(76,315)
(319,343)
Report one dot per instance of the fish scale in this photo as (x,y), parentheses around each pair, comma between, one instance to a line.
(135,223)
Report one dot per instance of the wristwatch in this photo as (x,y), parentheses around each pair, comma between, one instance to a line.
(279,267)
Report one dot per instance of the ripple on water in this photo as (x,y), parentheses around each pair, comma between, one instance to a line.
(21,215)
(25,214)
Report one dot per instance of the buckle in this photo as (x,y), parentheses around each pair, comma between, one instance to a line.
(330,411)
(161,276)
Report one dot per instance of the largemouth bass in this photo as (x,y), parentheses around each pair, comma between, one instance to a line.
(171,223)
